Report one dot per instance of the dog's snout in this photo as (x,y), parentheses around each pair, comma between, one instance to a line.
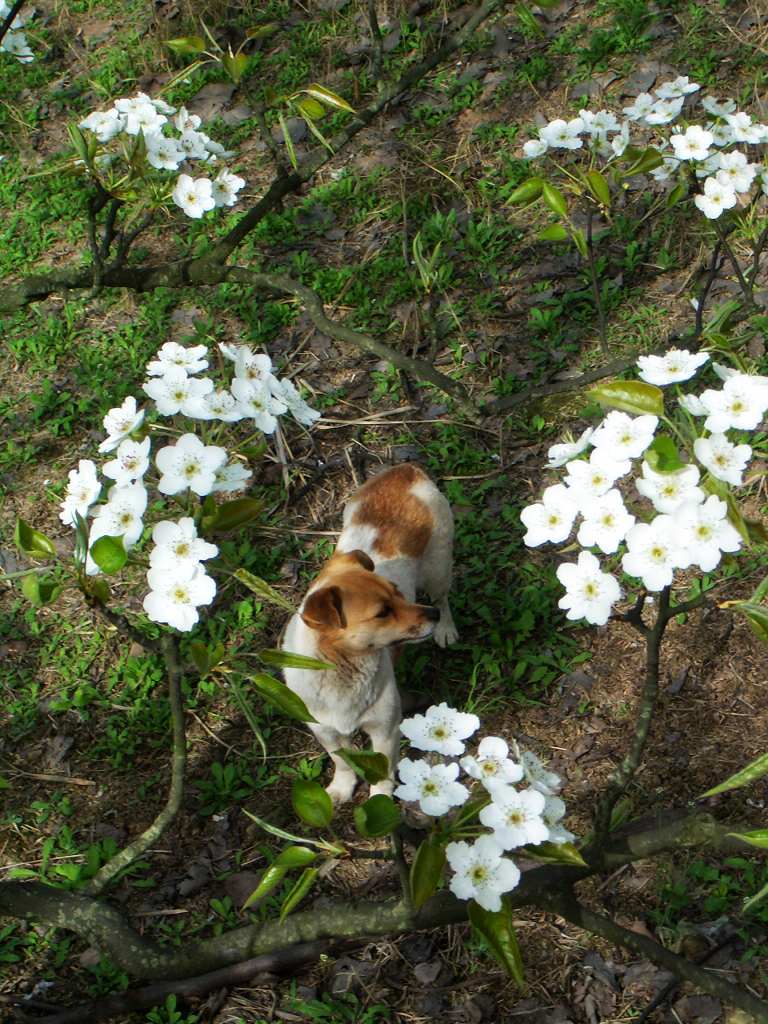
(433,614)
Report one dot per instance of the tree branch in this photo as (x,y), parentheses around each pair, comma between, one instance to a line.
(566,906)
(149,837)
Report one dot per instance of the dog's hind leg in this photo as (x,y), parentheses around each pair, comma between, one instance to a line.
(437,569)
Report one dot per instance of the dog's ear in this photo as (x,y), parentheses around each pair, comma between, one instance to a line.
(358,557)
(324,609)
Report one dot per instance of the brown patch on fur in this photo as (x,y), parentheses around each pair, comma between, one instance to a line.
(402,521)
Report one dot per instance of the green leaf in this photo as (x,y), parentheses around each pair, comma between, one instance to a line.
(288,140)
(499,932)
(199,653)
(81,539)
(274,874)
(633,396)
(328,97)
(757,898)
(184,46)
(757,616)
(4,783)
(758,838)
(580,242)
(554,199)
(662,455)
(680,191)
(262,31)
(235,64)
(284,659)
(554,233)
(232,514)
(311,803)
(555,853)
(598,186)
(78,142)
(97,587)
(310,109)
(30,588)
(378,816)
(32,542)
(263,589)
(282,834)
(368,764)
(757,530)
(649,159)
(281,697)
(427,871)
(295,857)
(753,771)
(109,554)
(304,883)
(528,192)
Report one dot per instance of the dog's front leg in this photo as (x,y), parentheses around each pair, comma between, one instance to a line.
(342,785)
(382,724)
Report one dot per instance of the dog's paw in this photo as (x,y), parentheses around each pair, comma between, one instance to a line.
(384,788)
(340,790)
(445,633)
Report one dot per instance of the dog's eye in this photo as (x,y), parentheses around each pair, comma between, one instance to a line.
(384,613)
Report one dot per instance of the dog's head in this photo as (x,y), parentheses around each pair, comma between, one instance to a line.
(357,612)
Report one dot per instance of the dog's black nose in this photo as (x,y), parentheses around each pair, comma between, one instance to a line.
(433,614)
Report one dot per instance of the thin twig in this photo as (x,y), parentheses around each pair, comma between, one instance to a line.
(714,266)
(377,40)
(149,837)
(108,234)
(10,18)
(746,288)
(596,285)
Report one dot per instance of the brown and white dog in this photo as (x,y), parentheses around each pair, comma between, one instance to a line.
(397,538)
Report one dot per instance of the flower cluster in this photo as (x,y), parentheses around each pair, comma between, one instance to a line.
(188,468)
(170,138)
(15,41)
(516,817)
(684,520)
(703,149)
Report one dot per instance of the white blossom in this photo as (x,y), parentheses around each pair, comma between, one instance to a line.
(599,123)
(195,197)
(178,549)
(736,172)
(654,551)
(481,872)
(739,405)
(606,523)
(561,453)
(122,514)
(16,43)
(707,531)
(287,392)
(642,106)
(175,599)
(172,356)
(433,786)
(551,519)
(225,188)
(744,130)
(254,367)
(193,144)
(716,107)
(620,436)
(185,122)
(715,198)
(620,142)
(534,148)
(590,593)
(232,477)
(674,366)
(588,479)
(189,463)
(105,124)
(492,763)
(258,403)
(692,144)
(725,461)
(693,405)
(175,392)
(663,111)
(554,812)
(681,86)
(131,463)
(220,405)
(515,817)
(442,729)
(140,115)
(163,153)
(669,490)
(538,776)
(82,490)
(560,134)
(120,422)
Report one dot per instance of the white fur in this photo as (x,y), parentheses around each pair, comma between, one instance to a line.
(369,701)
